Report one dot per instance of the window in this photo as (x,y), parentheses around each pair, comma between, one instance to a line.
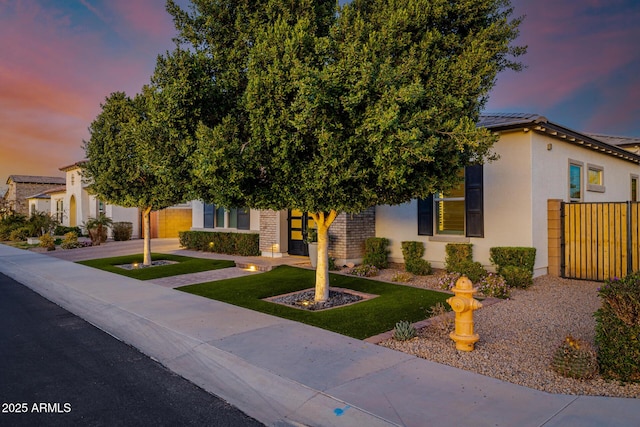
(59,209)
(595,178)
(101,209)
(214,217)
(634,188)
(459,212)
(449,210)
(575,182)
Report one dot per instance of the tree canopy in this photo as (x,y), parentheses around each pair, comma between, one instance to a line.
(329,109)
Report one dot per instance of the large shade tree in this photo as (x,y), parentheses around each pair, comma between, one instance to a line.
(331,110)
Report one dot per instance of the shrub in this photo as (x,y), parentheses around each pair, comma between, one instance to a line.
(122,231)
(517,277)
(402,277)
(494,285)
(245,244)
(70,241)
(473,270)
(441,321)
(46,241)
(365,270)
(332,264)
(575,358)
(448,281)
(618,328)
(61,230)
(517,256)
(404,331)
(10,223)
(97,228)
(456,254)
(413,262)
(20,234)
(376,252)
(41,223)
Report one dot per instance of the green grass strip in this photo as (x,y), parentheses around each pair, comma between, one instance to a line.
(361,320)
(184,265)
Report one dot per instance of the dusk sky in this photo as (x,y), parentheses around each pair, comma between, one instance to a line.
(59,59)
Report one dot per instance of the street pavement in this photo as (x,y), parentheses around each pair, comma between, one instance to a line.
(58,370)
(285,373)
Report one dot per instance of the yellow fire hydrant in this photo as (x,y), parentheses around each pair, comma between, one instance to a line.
(464,305)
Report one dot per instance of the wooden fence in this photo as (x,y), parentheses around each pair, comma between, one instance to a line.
(600,240)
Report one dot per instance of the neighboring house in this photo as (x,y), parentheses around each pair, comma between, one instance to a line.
(41,202)
(20,187)
(502,203)
(74,205)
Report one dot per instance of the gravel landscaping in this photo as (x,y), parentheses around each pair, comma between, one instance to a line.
(519,335)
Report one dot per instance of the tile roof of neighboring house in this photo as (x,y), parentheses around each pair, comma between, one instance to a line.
(534,122)
(73,166)
(47,193)
(30,179)
(620,141)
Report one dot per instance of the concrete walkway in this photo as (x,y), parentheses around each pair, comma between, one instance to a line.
(285,373)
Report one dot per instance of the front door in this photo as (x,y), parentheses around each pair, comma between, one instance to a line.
(298,223)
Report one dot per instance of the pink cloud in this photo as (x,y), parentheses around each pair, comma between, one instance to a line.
(572,46)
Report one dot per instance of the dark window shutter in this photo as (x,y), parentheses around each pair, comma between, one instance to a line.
(425,216)
(243,219)
(474,201)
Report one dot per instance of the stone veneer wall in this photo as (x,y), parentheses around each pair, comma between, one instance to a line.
(268,230)
(348,233)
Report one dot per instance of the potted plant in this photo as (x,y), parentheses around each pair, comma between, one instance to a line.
(312,241)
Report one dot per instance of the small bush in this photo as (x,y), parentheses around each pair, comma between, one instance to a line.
(441,321)
(332,264)
(402,277)
(494,285)
(473,270)
(46,241)
(70,241)
(575,358)
(456,254)
(618,328)
(404,331)
(448,281)
(122,231)
(376,252)
(518,256)
(20,234)
(517,277)
(61,230)
(365,270)
(413,261)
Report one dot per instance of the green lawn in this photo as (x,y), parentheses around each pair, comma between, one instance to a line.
(185,265)
(361,320)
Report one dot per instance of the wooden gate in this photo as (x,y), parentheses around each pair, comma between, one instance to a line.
(600,240)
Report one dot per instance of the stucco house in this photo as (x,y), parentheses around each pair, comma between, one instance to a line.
(22,187)
(502,203)
(73,205)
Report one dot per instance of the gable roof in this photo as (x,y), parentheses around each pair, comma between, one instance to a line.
(533,122)
(31,179)
(47,193)
(75,165)
(629,142)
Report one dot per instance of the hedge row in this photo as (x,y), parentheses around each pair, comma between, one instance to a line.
(244,244)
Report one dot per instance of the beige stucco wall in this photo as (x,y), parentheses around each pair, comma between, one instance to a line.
(515,197)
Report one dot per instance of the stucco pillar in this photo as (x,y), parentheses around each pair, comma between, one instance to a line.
(554,232)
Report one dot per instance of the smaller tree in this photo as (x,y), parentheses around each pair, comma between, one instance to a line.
(133,157)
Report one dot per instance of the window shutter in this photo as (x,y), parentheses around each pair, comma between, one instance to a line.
(425,216)
(474,201)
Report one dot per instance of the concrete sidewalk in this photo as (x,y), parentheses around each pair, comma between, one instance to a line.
(286,373)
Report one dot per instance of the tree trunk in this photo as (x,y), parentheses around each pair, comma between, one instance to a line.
(323,222)
(146,230)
